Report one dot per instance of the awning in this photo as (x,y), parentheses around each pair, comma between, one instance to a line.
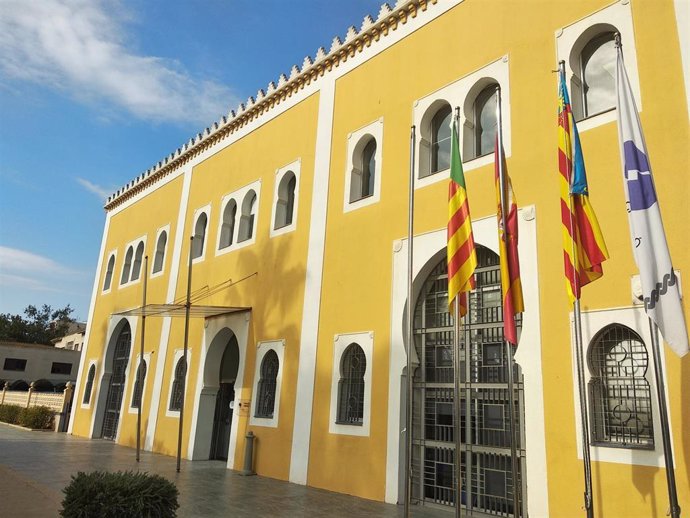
(179,310)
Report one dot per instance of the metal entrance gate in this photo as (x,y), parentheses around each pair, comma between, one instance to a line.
(487,485)
(116,386)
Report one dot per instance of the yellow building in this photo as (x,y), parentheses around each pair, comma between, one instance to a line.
(298,207)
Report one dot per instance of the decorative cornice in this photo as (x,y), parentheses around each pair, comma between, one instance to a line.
(388,19)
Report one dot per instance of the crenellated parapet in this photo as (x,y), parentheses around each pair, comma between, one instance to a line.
(370,32)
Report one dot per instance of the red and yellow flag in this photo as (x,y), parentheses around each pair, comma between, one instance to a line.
(584,248)
(462,256)
(511,286)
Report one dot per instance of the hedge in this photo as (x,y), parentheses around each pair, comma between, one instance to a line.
(119,495)
(39,417)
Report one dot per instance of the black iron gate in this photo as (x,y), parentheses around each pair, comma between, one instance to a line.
(116,387)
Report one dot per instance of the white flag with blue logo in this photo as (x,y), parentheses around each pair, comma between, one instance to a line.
(659,282)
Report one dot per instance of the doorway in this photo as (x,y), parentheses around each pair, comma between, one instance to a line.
(222,422)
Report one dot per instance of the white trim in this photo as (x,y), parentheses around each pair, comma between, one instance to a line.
(355,146)
(177,355)
(95,291)
(463,93)
(682,8)
(93,384)
(340,343)
(426,247)
(113,254)
(135,367)
(206,209)
(636,319)
(277,346)
(294,167)
(134,244)
(571,39)
(166,229)
(238,196)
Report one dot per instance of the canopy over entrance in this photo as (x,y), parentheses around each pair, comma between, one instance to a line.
(179,310)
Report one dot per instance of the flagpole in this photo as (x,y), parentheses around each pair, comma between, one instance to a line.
(578,346)
(141,357)
(663,417)
(456,401)
(188,305)
(408,331)
(508,349)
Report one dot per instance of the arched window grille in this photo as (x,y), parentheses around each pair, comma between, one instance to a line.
(351,386)
(109,273)
(248,216)
(485,125)
(597,77)
(267,385)
(139,384)
(227,227)
(160,252)
(440,140)
(363,174)
(176,394)
(138,257)
(199,236)
(89,385)
(127,266)
(285,204)
(620,396)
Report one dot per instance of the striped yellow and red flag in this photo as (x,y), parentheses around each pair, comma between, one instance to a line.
(584,249)
(462,256)
(511,285)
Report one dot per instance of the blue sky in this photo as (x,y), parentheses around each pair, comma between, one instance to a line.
(94,92)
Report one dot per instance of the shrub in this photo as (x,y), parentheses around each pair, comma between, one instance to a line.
(119,495)
(10,413)
(39,417)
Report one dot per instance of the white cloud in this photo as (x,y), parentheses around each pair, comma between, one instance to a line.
(80,47)
(14,260)
(101,192)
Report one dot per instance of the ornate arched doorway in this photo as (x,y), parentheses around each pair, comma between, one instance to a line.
(116,385)
(487,485)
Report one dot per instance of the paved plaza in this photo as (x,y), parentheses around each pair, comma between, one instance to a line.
(36,466)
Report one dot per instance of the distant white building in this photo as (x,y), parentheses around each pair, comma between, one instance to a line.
(21,364)
(74,337)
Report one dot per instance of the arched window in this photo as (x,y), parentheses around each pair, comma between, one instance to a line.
(595,81)
(267,385)
(199,236)
(109,273)
(285,204)
(138,384)
(248,216)
(351,386)
(363,173)
(485,125)
(440,140)
(176,394)
(136,267)
(127,266)
(620,396)
(160,252)
(227,227)
(89,385)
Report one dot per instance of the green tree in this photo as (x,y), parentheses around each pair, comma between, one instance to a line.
(38,325)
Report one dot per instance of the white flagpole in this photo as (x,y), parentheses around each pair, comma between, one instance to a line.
(456,405)
(587,462)
(409,330)
(508,349)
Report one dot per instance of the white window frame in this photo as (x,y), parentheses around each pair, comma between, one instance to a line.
(463,93)
(571,40)
(135,365)
(134,244)
(206,209)
(293,167)
(179,353)
(375,130)
(593,322)
(93,384)
(340,343)
(162,229)
(277,346)
(113,254)
(239,196)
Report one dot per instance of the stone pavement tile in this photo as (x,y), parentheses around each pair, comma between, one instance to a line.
(23,497)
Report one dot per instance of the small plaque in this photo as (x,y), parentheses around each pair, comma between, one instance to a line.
(244,407)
